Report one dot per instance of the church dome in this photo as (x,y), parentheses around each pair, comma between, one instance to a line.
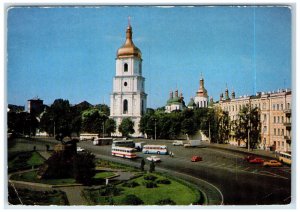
(129,49)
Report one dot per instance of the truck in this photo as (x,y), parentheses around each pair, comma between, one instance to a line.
(192,143)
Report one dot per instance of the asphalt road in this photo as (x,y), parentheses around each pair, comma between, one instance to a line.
(241,183)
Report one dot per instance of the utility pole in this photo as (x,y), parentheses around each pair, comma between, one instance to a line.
(155,129)
(209,132)
(103,129)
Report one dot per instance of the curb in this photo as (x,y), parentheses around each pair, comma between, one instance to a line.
(241,151)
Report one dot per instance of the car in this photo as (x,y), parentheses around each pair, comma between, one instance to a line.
(272,163)
(256,160)
(177,143)
(196,158)
(80,149)
(153,158)
(249,157)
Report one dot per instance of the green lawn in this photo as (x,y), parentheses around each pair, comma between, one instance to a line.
(32,177)
(178,192)
(103,175)
(24,160)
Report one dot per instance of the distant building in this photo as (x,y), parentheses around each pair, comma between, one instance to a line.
(275,110)
(35,106)
(175,103)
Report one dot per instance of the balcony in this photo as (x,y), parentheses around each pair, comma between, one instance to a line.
(288,139)
(288,112)
(287,125)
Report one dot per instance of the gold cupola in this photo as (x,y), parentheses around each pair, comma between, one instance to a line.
(129,49)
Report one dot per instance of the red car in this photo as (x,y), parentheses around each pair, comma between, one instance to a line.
(196,158)
(256,160)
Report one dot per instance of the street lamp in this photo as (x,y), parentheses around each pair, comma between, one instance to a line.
(155,129)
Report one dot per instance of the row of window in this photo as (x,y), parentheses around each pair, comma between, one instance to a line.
(276,119)
(236,108)
(279,132)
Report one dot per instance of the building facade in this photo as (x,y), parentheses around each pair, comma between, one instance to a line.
(175,102)
(35,106)
(128,99)
(275,116)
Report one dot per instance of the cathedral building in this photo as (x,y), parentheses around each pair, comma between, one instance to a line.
(175,103)
(128,99)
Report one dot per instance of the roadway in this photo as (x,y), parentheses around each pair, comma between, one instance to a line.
(240,183)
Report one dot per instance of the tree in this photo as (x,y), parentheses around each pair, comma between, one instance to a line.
(110,126)
(152,167)
(132,199)
(126,127)
(224,127)
(93,120)
(248,121)
(84,167)
(142,164)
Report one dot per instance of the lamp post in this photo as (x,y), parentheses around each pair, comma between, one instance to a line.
(155,129)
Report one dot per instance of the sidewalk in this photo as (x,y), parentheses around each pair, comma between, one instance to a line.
(258,152)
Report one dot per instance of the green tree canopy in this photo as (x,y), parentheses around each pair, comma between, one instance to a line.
(126,127)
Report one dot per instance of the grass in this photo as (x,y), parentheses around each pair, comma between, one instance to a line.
(112,165)
(24,160)
(103,175)
(178,192)
(32,177)
(29,197)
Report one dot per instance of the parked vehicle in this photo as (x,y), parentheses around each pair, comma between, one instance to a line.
(153,158)
(80,149)
(88,136)
(192,143)
(177,143)
(196,158)
(272,163)
(256,161)
(155,149)
(123,143)
(103,141)
(285,157)
(124,152)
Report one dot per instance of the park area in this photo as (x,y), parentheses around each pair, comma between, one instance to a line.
(112,184)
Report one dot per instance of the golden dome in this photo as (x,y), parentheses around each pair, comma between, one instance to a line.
(129,49)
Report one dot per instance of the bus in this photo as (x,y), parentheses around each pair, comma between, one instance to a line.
(285,157)
(123,143)
(155,149)
(124,152)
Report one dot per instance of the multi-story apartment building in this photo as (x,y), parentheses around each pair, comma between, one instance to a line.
(275,110)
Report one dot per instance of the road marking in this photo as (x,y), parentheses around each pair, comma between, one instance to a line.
(274,175)
(246,168)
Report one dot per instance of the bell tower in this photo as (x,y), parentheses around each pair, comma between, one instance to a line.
(128,98)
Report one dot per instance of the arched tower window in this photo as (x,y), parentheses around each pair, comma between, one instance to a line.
(125,67)
(125,106)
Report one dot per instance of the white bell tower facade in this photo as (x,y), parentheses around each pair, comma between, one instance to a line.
(128,98)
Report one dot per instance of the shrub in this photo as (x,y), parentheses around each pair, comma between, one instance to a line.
(110,190)
(150,177)
(131,199)
(167,201)
(150,184)
(130,184)
(164,181)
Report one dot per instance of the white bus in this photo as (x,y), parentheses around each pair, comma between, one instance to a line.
(285,157)
(124,152)
(88,136)
(155,149)
(123,143)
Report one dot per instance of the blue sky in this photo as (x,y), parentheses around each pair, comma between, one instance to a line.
(69,52)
